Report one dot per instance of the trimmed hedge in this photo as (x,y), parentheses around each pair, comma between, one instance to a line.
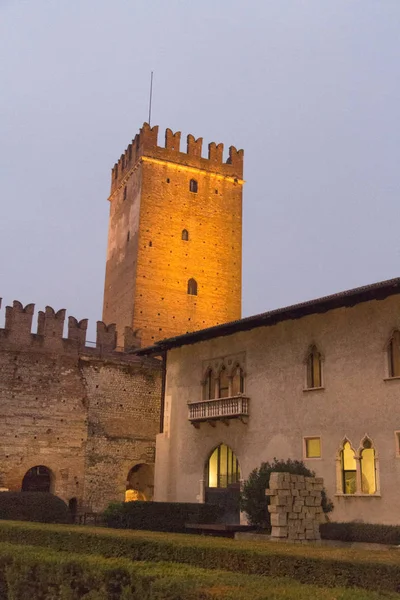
(159,516)
(33,506)
(322,566)
(29,572)
(361,532)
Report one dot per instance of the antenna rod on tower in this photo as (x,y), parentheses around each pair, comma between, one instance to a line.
(151,95)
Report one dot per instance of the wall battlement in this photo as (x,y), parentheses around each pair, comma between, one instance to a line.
(145,143)
(17,334)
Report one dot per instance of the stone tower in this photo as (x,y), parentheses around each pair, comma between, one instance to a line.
(175,237)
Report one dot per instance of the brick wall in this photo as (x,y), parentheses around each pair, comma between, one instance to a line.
(87,414)
(148,263)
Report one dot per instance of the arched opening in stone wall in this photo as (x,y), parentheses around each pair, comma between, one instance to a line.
(140,483)
(38,479)
(222,482)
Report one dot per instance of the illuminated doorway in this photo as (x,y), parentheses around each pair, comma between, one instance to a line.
(140,483)
(222,482)
(37,479)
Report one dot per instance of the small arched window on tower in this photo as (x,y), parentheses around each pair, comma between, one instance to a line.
(314,368)
(193,186)
(192,287)
(394,354)
(185,235)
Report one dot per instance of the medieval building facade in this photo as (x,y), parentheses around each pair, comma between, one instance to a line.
(80,420)
(77,420)
(317,382)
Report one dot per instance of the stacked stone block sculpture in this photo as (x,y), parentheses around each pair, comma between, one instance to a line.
(295,506)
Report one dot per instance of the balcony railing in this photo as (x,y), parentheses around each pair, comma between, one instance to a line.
(219,409)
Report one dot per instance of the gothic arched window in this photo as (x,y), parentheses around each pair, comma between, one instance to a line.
(192,287)
(314,368)
(238,381)
(222,468)
(394,354)
(209,385)
(223,383)
(349,469)
(368,467)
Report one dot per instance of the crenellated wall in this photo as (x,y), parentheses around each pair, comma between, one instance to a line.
(149,263)
(87,413)
(145,143)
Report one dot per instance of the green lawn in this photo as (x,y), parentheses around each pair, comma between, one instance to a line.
(196,567)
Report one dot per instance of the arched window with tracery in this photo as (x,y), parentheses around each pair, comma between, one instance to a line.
(238,381)
(349,469)
(185,235)
(222,468)
(314,368)
(192,287)
(394,354)
(368,467)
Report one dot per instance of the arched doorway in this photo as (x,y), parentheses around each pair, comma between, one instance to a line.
(37,479)
(222,482)
(140,483)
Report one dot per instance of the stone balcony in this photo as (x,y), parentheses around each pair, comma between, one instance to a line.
(219,409)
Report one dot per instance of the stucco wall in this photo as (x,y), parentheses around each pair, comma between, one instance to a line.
(356,400)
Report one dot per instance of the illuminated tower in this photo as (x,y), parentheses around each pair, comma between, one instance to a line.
(175,237)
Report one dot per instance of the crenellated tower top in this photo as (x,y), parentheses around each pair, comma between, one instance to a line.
(145,144)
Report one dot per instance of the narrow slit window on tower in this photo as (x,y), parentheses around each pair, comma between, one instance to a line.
(128,237)
(193,186)
(125,193)
(185,235)
(192,287)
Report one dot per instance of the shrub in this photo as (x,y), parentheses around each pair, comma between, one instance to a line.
(159,516)
(361,532)
(33,506)
(253,500)
(30,572)
(323,566)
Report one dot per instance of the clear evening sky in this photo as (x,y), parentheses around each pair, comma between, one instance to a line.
(309,88)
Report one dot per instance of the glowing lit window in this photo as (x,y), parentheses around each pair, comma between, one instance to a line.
(193,186)
(185,235)
(394,355)
(349,470)
(312,447)
(192,287)
(314,369)
(222,469)
(368,470)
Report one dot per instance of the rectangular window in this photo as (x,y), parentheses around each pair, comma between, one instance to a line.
(312,447)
